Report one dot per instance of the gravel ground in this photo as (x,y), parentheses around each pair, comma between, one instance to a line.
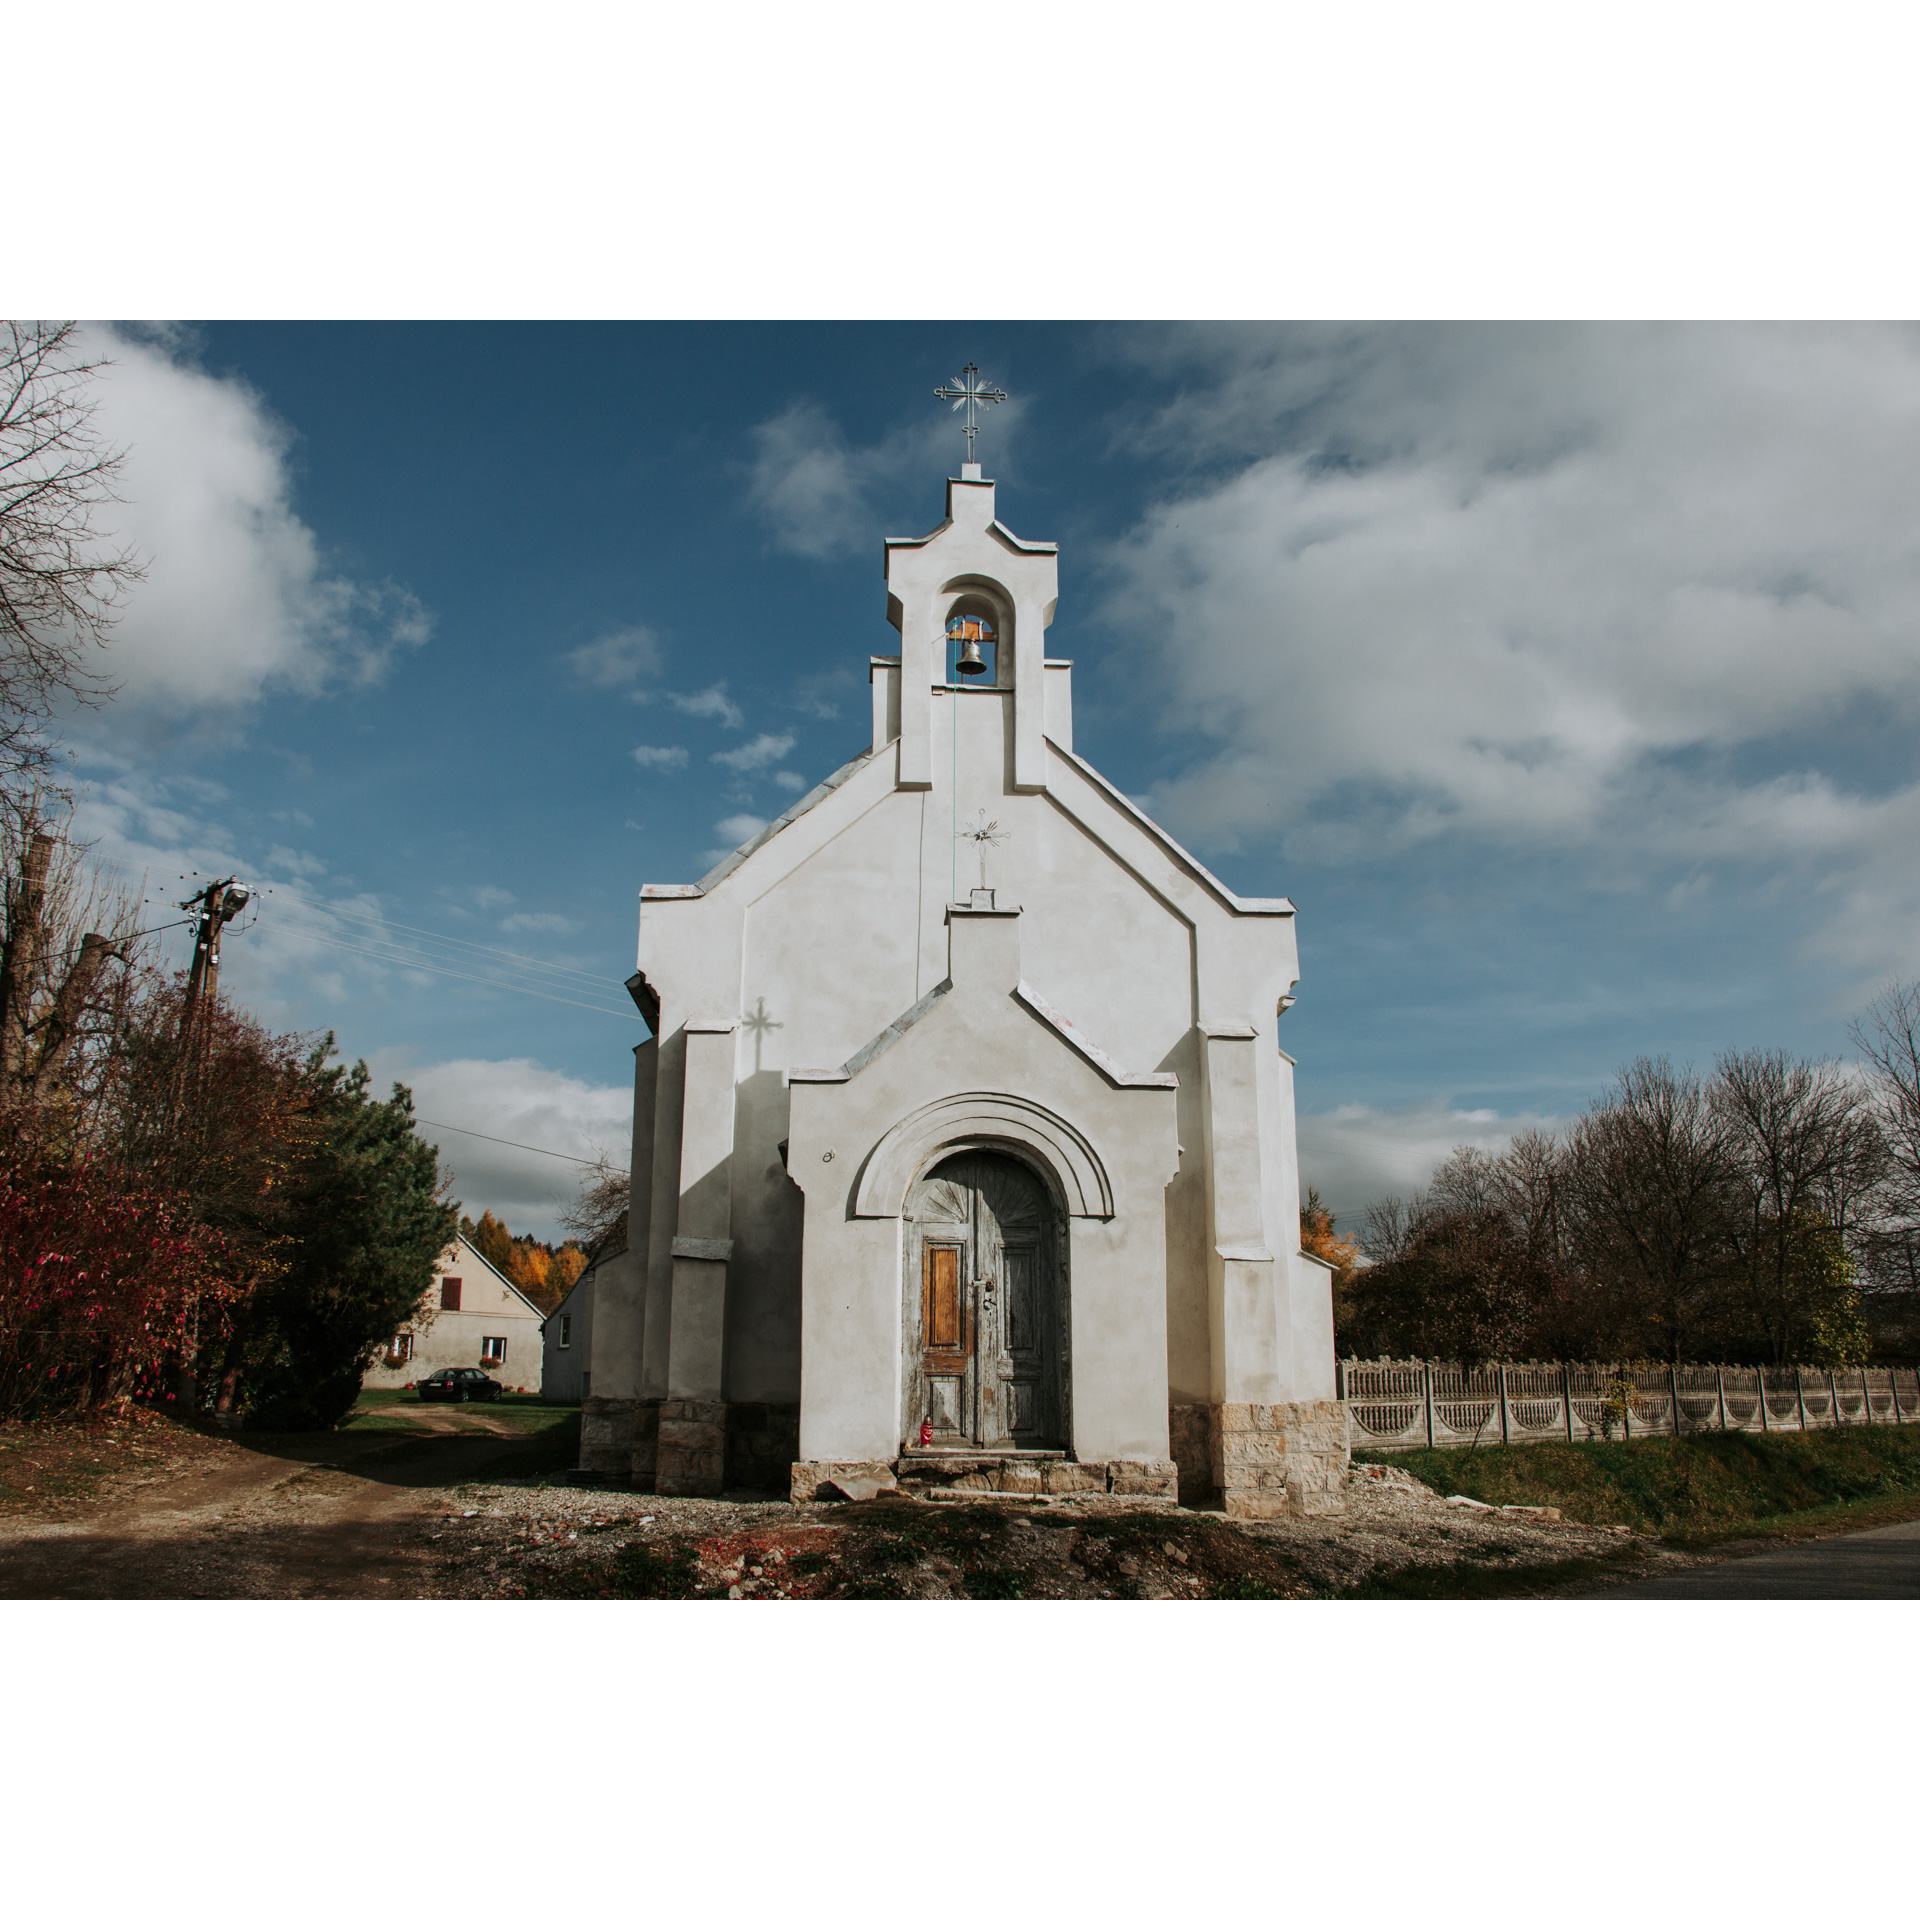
(591,1542)
(453,1509)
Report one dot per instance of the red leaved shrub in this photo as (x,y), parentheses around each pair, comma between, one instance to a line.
(102,1284)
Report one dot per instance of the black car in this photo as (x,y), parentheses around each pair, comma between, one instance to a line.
(459,1383)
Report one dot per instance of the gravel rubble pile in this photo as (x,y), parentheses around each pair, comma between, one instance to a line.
(514,1541)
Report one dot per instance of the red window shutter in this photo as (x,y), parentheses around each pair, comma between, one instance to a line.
(450,1293)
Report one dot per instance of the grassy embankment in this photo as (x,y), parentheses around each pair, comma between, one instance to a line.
(545,1443)
(1698,1491)
(384,1410)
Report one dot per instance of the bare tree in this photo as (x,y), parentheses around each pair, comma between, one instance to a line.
(60,590)
(1531,1178)
(1466,1181)
(1389,1226)
(1811,1154)
(1888,1035)
(1654,1192)
(601,1203)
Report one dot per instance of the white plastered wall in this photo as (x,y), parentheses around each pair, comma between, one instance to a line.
(836,924)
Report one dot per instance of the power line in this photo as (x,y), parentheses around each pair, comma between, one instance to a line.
(138,933)
(447,939)
(403,957)
(448,1127)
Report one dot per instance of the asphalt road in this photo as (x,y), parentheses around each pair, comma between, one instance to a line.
(1880,1564)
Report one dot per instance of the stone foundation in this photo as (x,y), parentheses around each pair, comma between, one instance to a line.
(990,1473)
(763,1442)
(806,1478)
(690,1449)
(1144,1479)
(646,1445)
(1190,1432)
(606,1436)
(1272,1462)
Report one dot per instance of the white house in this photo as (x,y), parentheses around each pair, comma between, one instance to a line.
(472,1316)
(966,1111)
(566,1367)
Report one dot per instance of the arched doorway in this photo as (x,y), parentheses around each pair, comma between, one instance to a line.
(985,1300)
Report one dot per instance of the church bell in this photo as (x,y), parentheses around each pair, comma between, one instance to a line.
(969,629)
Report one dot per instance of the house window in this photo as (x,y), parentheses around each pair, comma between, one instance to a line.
(566,1329)
(402,1348)
(450,1294)
(494,1349)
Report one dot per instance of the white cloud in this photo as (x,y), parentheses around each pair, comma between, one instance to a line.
(238,600)
(808,482)
(1619,590)
(711,703)
(289,860)
(822,496)
(517,1100)
(617,660)
(536,923)
(734,831)
(661,758)
(791,781)
(1356,1155)
(760,752)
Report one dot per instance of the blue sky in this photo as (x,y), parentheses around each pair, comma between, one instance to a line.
(1565,677)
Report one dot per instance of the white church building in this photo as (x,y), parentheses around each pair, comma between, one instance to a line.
(964,1146)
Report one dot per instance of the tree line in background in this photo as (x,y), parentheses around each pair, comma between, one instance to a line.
(1768,1213)
(541,1271)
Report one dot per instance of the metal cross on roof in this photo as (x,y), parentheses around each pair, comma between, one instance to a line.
(984,833)
(971,392)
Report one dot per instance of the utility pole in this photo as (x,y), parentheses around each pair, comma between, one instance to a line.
(213,907)
(20,957)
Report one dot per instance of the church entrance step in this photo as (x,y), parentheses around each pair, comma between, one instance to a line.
(953,1496)
(913,1454)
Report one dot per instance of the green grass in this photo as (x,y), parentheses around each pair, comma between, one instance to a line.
(373,1413)
(1696,1490)
(994,1583)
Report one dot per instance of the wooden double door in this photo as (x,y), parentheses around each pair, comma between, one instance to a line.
(985,1306)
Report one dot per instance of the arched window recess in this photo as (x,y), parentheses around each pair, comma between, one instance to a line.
(975,631)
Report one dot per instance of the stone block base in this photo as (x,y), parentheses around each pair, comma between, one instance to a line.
(646,1445)
(989,1473)
(1190,1432)
(763,1442)
(690,1448)
(606,1436)
(807,1479)
(1275,1462)
(1073,1476)
(1144,1479)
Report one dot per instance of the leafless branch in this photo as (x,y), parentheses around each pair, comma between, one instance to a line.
(60,589)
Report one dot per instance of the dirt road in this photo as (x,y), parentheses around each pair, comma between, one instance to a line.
(193,1516)
(1880,1564)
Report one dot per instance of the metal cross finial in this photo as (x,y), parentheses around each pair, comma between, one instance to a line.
(984,833)
(971,392)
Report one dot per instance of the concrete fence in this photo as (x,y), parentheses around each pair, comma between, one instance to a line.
(1417,1403)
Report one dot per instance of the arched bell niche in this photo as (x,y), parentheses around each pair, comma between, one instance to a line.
(975,635)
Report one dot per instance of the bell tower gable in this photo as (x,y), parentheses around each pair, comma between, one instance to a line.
(970,566)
